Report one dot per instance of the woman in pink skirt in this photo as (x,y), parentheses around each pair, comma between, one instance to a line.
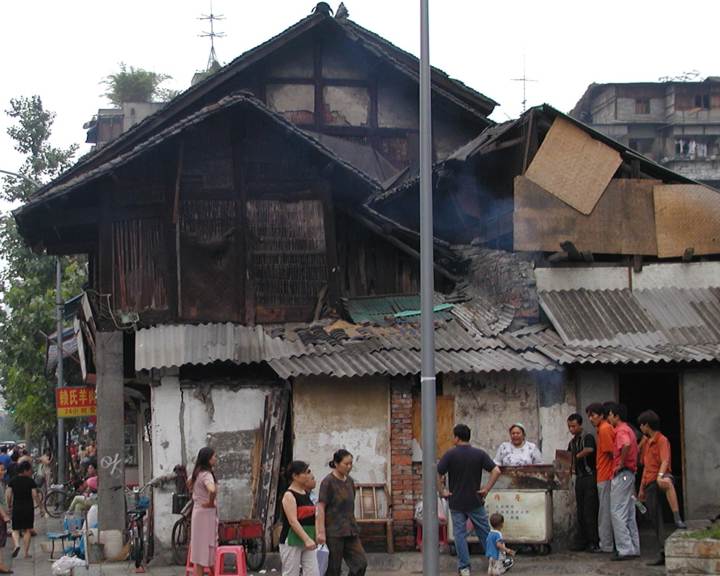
(204,526)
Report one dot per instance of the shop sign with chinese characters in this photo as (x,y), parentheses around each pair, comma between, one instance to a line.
(75,401)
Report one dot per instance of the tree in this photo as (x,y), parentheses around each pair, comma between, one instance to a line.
(132,84)
(27,280)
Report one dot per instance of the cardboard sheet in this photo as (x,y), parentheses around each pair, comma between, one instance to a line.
(687,216)
(573,166)
(623,221)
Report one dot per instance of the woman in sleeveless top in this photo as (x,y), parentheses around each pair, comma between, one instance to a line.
(204,522)
(297,538)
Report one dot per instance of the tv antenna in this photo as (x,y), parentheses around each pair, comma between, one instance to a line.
(212,18)
(524,80)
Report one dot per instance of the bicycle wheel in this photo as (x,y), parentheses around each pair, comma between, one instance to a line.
(254,553)
(181,540)
(137,547)
(55,503)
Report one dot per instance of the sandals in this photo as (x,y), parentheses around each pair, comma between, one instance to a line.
(16,551)
(6,571)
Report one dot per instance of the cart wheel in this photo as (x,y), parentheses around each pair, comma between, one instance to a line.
(254,553)
(452,549)
(544,549)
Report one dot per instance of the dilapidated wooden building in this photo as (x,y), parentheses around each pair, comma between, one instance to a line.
(253,269)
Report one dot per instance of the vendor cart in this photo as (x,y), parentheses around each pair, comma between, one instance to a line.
(528,518)
(523,495)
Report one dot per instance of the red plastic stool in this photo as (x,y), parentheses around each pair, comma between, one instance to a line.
(238,566)
(190,567)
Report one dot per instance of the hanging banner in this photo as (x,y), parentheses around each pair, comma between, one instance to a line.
(75,401)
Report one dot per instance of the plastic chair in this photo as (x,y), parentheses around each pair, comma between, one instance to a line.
(237,565)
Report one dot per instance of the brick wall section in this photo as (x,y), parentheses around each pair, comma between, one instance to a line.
(402,480)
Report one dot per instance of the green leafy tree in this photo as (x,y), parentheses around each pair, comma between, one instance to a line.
(27,280)
(132,84)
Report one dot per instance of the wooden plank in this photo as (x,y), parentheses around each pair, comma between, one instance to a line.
(687,216)
(573,166)
(623,221)
(445,407)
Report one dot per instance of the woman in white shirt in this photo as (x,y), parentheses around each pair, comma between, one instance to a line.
(519,451)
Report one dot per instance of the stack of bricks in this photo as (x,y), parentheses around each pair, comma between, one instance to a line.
(403,497)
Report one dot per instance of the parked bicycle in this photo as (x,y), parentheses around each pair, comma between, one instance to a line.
(58,499)
(134,521)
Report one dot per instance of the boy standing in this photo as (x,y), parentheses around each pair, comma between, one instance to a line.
(604,467)
(498,553)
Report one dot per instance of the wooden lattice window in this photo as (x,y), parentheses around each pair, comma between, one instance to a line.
(139,265)
(288,262)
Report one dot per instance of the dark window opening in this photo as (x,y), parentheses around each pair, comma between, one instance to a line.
(642,105)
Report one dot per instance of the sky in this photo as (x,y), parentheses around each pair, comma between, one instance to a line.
(62,50)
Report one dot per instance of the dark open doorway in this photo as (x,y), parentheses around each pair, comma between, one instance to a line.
(659,391)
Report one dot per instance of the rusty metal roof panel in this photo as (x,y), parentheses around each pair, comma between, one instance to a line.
(641,318)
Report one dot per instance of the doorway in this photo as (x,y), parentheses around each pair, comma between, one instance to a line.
(657,390)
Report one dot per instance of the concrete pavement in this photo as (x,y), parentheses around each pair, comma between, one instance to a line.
(400,564)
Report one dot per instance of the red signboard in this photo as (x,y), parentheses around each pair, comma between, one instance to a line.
(75,401)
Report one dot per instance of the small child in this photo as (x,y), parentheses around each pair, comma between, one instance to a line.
(495,548)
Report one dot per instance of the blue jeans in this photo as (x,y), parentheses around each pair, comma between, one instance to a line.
(479,519)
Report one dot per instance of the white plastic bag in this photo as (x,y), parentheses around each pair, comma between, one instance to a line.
(323,555)
(63,565)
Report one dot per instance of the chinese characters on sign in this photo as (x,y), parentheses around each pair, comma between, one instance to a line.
(528,514)
(75,401)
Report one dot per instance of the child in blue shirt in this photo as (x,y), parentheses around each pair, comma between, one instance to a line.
(495,549)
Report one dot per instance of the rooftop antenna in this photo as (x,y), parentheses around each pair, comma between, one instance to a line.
(524,80)
(212,18)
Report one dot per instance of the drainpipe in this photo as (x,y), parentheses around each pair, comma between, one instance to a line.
(60,422)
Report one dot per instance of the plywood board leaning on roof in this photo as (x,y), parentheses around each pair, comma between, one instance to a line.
(687,216)
(623,221)
(573,166)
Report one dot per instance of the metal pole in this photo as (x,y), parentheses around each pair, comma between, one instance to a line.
(61,423)
(427,375)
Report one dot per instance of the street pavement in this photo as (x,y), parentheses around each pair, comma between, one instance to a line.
(380,564)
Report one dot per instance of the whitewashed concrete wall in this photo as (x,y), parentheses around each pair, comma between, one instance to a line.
(333,413)
(701,398)
(182,424)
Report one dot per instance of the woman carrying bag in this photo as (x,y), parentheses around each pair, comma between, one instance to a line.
(297,538)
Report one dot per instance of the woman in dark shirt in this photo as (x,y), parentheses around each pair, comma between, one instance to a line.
(21,497)
(297,538)
(336,523)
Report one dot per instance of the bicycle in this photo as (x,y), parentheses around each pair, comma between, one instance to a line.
(181,535)
(58,499)
(134,518)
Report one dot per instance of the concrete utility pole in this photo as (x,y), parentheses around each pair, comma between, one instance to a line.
(427,374)
(60,422)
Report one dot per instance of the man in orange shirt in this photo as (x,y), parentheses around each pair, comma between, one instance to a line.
(657,477)
(622,485)
(604,467)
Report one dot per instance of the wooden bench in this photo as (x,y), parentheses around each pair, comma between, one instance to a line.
(372,506)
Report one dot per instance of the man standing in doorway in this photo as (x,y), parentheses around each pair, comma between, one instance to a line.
(657,478)
(582,448)
(464,466)
(622,486)
(603,464)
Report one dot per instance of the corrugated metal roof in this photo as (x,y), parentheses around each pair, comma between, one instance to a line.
(546,341)
(640,318)
(404,362)
(351,348)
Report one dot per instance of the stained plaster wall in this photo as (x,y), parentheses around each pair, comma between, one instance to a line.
(350,413)
(490,403)
(183,423)
(701,396)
